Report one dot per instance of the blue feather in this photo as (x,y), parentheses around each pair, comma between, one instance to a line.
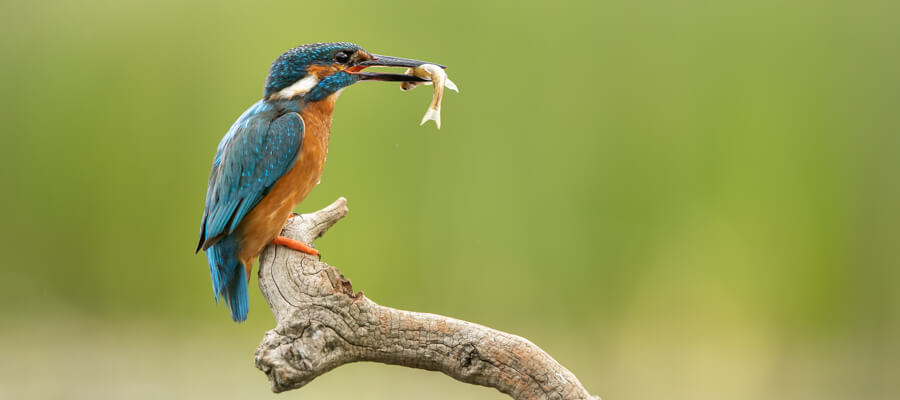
(229,278)
(261,146)
(237,296)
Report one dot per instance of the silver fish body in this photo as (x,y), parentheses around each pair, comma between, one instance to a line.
(438,77)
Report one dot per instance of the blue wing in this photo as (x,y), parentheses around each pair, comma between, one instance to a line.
(252,156)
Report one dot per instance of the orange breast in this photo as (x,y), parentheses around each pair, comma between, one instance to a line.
(265,221)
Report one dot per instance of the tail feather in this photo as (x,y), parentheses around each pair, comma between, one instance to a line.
(237,296)
(229,278)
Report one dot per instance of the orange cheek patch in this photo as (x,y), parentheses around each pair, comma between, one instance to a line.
(322,71)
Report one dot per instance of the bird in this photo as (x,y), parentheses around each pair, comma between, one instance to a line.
(272,157)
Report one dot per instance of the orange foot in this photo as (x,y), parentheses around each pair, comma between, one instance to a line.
(296,245)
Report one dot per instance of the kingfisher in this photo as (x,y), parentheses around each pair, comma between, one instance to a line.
(272,157)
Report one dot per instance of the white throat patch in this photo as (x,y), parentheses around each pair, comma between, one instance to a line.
(300,87)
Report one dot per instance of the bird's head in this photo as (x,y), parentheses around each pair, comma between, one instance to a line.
(315,71)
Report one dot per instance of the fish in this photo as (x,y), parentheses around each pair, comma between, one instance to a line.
(438,76)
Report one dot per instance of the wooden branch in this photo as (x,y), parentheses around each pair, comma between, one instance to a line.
(323,324)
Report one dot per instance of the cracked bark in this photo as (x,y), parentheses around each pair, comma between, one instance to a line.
(322,324)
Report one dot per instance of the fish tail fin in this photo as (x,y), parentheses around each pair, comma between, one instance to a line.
(432,115)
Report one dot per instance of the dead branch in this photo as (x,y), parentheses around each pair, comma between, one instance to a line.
(323,324)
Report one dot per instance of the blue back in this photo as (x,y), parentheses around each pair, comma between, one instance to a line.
(261,146)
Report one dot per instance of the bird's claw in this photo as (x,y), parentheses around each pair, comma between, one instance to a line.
(296,245)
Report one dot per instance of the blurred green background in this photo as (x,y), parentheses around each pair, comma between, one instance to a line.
(681,200)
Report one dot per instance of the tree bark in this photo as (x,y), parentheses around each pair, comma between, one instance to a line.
(322,324)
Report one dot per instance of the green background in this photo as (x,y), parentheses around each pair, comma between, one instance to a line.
(680,200)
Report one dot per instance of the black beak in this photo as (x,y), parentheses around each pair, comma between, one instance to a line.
(388,61)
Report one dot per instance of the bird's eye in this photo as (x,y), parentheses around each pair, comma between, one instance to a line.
(342,57)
